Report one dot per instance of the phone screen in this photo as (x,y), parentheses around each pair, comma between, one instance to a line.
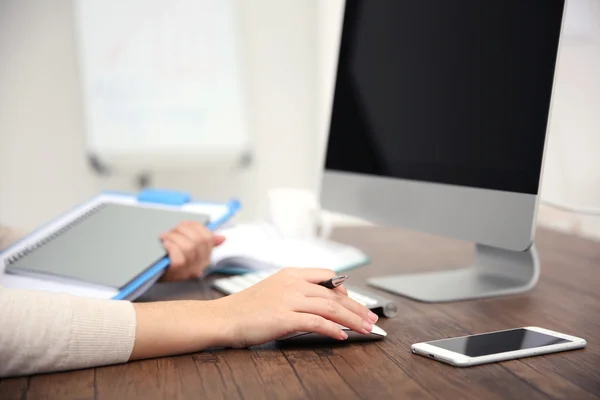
(497,342)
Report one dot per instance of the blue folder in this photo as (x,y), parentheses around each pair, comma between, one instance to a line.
(102,242)
(173,198)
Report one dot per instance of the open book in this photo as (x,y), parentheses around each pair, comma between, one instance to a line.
(258,246)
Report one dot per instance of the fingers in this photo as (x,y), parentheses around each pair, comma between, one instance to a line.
(311,290)
(189,247)
(333,311)
(218,240)
(185,245)
(191,230)
(200,237)
(339,294)
(175,254)
(302,322)
(177,258)
(315,275)
(342,289)
(200,234)
(312,275)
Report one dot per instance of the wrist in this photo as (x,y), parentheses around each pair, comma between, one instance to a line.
(178,327)
(212,323)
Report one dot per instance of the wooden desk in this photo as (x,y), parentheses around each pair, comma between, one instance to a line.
(566,299)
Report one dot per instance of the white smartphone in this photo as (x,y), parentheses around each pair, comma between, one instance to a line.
(484,348)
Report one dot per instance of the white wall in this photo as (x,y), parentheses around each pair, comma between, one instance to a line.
(42,165)
(279,46)
(43,169)
(572,166)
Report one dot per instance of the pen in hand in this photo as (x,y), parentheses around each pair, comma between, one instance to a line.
(334,282)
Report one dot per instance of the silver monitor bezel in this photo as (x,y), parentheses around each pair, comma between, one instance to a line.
(496,218)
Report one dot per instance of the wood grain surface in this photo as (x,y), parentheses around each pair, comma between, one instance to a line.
(566,299)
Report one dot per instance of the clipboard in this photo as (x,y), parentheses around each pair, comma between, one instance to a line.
(65,240)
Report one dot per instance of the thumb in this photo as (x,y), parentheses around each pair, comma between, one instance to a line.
(218,240)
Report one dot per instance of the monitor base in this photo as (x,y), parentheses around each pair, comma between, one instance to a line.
(496,272)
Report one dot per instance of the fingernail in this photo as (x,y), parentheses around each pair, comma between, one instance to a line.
(344,335)
(373,317)
(368,327)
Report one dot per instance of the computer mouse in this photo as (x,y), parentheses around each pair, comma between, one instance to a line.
(376,334)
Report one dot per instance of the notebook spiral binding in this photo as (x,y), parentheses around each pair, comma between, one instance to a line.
(24,252)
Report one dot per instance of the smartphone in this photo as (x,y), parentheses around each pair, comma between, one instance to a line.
(484,348)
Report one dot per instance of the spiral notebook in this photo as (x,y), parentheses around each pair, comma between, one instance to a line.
(110,245)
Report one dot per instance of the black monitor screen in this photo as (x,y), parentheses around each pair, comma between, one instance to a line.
(448,91)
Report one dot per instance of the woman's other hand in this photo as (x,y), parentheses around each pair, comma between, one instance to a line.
(189,246)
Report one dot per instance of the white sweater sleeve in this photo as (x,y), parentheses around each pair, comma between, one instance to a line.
(47,332)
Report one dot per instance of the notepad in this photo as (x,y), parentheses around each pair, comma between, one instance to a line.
(108,247)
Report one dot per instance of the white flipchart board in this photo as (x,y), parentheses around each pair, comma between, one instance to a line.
(161,81)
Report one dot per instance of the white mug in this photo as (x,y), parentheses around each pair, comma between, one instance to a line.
(296,214)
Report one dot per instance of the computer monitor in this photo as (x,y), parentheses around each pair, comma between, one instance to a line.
(438,124)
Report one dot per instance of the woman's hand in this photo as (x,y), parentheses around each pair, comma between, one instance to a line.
(291,301)
(288,301)
(189,246)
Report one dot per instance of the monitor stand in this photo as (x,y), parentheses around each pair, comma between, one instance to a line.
(496,272)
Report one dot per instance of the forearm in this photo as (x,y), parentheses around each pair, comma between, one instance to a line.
(47,332)
(178,327)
